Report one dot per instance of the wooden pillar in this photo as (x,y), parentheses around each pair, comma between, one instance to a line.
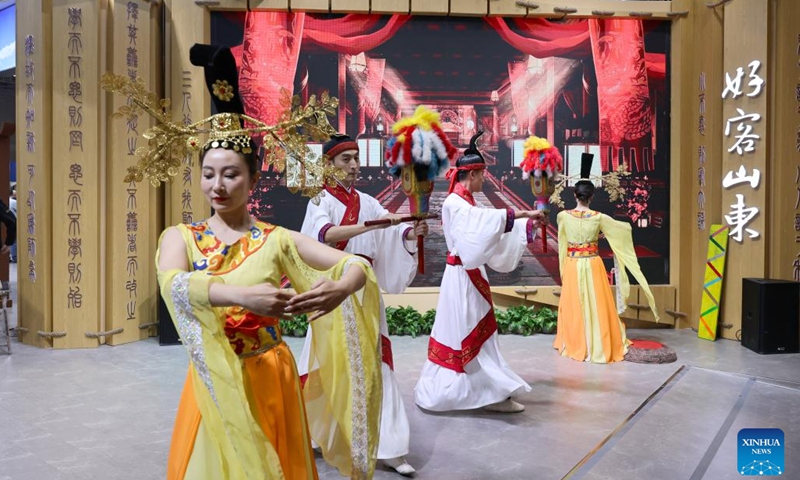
(746,41)
(187,24)
(86,239)
(706,149)
(130,252)
(785,144)
(34,163)
(681,160)
(77,174)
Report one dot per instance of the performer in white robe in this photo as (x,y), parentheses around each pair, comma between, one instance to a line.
(465,369)
(338,220)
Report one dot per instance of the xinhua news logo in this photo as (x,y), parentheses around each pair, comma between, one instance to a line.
(760,451)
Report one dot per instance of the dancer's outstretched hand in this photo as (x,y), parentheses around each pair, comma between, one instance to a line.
(321,299)
(267,300)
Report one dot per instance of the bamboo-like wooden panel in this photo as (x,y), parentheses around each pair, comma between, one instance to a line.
(506,8)
(430,7)
(785,145)
(77,267)
(681,158)
(310,5)
(189,24)
(240,5)
(546,295)
(748,257)
(391,6)
(157,197)
(34,164)
(131,239)
(355,6)
(585,8)
(469,7)
(706,68)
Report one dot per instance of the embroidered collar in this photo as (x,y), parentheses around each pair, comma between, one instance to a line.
(341,192)
(462,192)
(583,213)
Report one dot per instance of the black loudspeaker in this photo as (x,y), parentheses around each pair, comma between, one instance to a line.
(167,334)
(771,315)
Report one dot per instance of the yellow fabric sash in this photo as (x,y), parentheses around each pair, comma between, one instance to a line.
(347,390)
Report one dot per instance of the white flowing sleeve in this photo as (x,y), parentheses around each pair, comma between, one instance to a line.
(486,236)
(512,246)
(318,219)
(395,258)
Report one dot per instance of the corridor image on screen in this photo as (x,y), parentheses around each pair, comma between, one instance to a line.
(587,85)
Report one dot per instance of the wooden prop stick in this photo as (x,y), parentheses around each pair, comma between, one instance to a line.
(410,218)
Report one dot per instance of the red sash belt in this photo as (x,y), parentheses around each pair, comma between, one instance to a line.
(386,352)
(453,260)
(456,360)
(587,249)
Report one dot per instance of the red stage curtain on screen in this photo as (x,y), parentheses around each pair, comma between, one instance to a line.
(622,89)
(268,63)
(543,39)
(617,47)
(331,34)
(272,41)
(268,55)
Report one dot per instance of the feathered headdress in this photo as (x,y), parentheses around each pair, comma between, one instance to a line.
(419,140)
(169,143)
(540,157)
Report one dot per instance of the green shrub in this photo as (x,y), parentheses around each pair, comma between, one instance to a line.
(518,320)
(296,326)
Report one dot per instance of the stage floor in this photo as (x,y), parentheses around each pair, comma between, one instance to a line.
(108,413)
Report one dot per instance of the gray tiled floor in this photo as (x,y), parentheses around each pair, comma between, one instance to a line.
(107,413)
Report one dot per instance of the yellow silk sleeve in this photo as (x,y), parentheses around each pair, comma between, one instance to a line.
(343,395)
(561,218)
(620,239)
(244,450)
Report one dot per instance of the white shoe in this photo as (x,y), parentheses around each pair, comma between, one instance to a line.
(506,406)
(400,465)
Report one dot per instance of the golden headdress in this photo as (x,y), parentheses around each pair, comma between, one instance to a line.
(169,143)
(610,181)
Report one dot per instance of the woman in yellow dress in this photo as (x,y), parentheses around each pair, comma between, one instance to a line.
(589,327)
(242,413)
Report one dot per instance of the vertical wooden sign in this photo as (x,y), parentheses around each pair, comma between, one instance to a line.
(76,172)
(190,24)
(707,146)
(34,163)
(131,235)
(745,89)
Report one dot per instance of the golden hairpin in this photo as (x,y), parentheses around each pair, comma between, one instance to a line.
(170,143)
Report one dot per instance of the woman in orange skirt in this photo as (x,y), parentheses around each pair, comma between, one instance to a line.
(242,414)
(589,327)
